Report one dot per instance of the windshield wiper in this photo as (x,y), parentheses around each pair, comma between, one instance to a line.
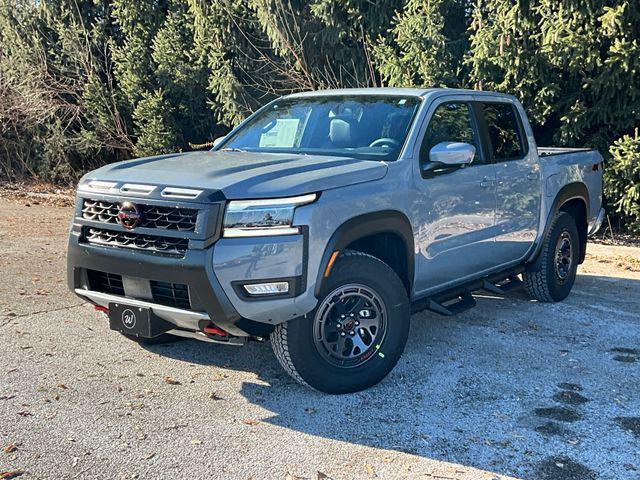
(232,150)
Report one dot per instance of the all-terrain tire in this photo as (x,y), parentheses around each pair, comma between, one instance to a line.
(542,280)
(299,354)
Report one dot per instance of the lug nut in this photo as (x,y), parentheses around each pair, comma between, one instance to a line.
(351,314)
(357,323)
(342,334)
(343,316)
(352,333)
(338,325)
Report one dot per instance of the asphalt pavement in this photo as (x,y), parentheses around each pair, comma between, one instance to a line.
(512,388)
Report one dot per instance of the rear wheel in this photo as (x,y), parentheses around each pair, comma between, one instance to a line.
(553,275)
(356,334)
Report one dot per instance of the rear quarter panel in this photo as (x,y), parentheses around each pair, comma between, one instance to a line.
(563,169)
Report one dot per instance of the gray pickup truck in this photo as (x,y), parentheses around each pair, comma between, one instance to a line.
(324,219)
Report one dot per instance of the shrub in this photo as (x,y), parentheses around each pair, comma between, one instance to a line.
(622,181)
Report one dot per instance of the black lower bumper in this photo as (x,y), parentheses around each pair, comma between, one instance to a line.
(194,270)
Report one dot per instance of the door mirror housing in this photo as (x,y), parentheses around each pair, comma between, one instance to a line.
(218,141)
(447,156)
(452,154)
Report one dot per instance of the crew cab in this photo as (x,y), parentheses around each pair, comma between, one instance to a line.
(325,218)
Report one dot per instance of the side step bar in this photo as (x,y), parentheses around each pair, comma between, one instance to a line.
(458,300)
(453,306)
(510,284)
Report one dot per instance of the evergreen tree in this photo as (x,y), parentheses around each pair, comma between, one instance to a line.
(425,46)
(85,82)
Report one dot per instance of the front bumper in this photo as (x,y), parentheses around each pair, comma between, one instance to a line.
(212,276)
(188,324)
(213,270)
(208,300)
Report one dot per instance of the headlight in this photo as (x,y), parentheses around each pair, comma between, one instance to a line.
(258,218)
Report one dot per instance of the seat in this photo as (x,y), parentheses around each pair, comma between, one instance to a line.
(340,132)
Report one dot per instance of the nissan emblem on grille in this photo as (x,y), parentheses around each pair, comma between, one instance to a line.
(129,215)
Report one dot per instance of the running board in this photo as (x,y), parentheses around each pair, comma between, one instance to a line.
(459,299)
(512,283)
(461,303)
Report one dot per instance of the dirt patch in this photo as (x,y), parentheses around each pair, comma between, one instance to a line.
(620,239)
(624,262)
(37,194)
(570,398)
(552,428)
(628,351)
(610,261)
(631,424)
(563,468)
(625,358)
(625,355)
(562,414)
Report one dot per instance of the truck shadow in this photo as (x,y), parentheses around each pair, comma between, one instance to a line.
(513,387)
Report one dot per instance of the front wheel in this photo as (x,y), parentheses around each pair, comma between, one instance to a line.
(356,334)
(552,276)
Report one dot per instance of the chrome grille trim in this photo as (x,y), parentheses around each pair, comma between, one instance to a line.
(137,189)
(148,243)
(98,186)
(181,193)
(153,216)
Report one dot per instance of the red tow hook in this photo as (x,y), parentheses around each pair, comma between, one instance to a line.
(102,309)
(213,330)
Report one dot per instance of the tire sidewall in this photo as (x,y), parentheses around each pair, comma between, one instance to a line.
(314,368)
(557,289)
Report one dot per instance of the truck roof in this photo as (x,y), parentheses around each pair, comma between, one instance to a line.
(414,92)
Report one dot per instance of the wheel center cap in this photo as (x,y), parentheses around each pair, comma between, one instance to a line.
(348,325)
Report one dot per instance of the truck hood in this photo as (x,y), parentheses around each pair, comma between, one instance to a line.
(244,174)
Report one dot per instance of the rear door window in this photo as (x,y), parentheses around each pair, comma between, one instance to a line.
(505,134)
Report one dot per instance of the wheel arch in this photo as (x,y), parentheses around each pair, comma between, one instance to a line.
(374,227)
(573,198)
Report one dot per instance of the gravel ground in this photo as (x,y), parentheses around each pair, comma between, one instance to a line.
(511,388)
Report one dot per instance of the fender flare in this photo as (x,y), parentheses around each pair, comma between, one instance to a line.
(385,221)
(568,192)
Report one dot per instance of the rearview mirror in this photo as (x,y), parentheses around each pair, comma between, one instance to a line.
(217,141)
(452,154)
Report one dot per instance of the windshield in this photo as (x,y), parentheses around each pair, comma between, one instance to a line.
(369,127)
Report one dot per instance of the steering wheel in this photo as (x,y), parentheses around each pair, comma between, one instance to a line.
(385,142)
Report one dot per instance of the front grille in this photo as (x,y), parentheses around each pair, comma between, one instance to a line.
(171,294)
(153,216)
(105,282)
(148,243)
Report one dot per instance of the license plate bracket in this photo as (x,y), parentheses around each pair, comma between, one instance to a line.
(136,321)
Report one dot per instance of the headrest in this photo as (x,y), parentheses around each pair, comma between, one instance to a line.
(340,131)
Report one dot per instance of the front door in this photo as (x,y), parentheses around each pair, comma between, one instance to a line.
(455,210)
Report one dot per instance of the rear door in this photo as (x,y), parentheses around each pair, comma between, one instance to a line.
(454,209)
(518,179)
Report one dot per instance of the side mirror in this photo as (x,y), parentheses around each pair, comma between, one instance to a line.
(452,154)
(217,141)
(446,156)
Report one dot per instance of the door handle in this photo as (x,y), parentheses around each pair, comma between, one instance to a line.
(532,175)
(487,182)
